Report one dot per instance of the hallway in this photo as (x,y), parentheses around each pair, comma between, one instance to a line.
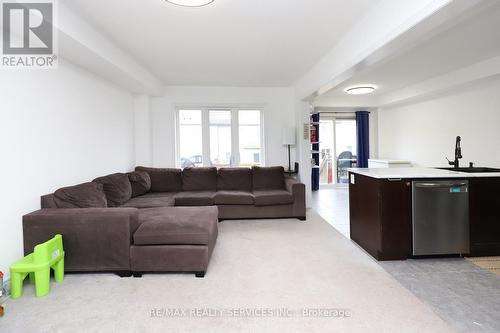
(333,205)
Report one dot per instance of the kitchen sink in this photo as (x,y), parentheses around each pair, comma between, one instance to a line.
(472,170)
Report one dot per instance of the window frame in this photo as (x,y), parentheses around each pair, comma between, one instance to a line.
(205,130)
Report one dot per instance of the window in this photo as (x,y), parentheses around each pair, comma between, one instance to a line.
(190,138)
(219,137)
(249,135)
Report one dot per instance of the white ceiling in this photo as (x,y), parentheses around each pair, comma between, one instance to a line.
(228,43)
(471,41)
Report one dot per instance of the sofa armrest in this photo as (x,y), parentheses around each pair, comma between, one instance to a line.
(293,186)
(298,191)
(94,239)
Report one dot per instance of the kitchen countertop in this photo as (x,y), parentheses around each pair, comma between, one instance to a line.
(389,161)
(417,172)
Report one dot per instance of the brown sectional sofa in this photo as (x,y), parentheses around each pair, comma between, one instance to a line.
(237,192)
(158,220)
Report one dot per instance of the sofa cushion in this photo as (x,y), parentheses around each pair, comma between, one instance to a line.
(233,198)
(158,194)
(176,225)
(272,197)
(140,181)
(151,201)
(86,195)
(164,180)
(199,179)
(268,178)
(239,179)
(117,188)
(195,198)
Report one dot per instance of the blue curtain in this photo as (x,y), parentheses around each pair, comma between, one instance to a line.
(363,138)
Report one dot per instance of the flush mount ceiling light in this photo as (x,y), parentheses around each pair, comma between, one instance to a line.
(361,90)
(191,3)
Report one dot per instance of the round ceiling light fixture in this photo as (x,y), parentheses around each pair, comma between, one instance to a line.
(191,3)
(361,90)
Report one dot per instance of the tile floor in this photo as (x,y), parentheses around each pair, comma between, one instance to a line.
(333,205)
(464,295)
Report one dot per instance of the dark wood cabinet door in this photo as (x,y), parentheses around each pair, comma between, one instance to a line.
(364,213)
(484,206)
(380,216)
(396,219)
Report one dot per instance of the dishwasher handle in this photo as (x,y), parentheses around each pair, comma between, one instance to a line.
(438,185)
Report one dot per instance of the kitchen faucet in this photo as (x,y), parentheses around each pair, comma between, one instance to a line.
(458,154)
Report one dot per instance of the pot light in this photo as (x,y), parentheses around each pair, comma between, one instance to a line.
(191,3)
(360,90)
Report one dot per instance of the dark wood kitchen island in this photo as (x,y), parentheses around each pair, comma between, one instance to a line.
(380,209)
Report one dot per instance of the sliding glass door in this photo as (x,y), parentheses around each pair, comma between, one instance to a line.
(337,148)
(345,148)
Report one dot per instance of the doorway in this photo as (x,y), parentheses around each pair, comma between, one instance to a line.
(337,148)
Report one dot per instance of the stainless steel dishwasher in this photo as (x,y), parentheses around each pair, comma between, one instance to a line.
(440,213)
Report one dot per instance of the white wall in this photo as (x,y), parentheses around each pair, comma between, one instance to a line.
(142,130)
(58,127)
(425,132)
(373,137)
(277,106)
(302,114)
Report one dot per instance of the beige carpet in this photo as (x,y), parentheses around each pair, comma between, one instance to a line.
(258,265)
(489,263)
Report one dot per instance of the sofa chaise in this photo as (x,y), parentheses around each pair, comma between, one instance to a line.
(158,220)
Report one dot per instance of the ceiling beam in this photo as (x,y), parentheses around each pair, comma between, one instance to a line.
(437,86)
(81,44)
(390,29)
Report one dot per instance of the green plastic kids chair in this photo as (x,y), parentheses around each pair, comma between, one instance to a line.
(38,264)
